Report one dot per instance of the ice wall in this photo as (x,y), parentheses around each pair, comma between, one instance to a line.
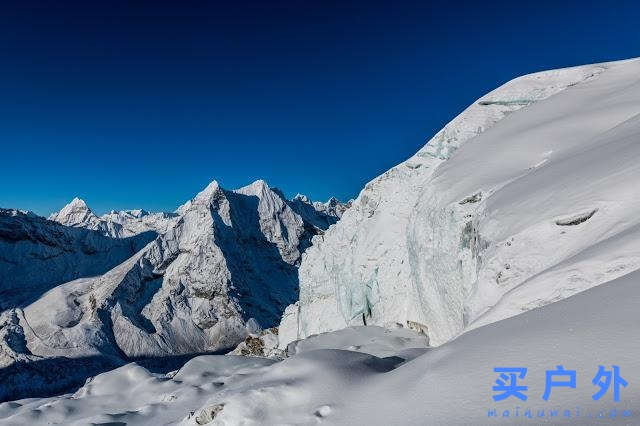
(435,242)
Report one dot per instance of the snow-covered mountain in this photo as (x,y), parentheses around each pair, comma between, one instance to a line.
(117,224)
(321,215)
(527,197)
(226,265)
(37,254)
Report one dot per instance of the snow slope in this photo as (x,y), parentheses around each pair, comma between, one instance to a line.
(37,254)
(525,198)
(447,385)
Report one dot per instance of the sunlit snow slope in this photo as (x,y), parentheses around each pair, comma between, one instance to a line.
(528,196)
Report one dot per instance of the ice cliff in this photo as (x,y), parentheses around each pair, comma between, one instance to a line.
(527,197)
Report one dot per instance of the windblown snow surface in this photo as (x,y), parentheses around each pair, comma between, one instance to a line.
(510,240)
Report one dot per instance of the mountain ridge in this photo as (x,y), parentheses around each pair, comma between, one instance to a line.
(199,280)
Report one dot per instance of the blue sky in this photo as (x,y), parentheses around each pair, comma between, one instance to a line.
(141,106)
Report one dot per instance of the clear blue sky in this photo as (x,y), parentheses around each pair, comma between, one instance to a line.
(141,106)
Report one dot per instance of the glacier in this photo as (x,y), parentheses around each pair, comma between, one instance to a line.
(477,226)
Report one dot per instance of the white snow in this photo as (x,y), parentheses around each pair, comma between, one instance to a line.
(474,227)
(447,385)
(36,255)
(117,224)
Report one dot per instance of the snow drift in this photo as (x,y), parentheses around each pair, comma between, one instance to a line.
(329,383)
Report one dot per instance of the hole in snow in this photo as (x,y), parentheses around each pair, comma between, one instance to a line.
(576,219)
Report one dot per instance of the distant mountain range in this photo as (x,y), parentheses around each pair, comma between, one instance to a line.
(132,284)
(512,238)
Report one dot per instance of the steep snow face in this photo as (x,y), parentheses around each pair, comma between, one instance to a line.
(543,178)
(37,254)
(226,267)
(117,224)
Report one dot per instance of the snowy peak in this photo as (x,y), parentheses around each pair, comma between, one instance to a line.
(115,224)
(210,191)
(321,215)
(76,213)
(255,187)
(268,198)
(302,197)
(78,203)
(206,197)
(333,201)
(137,213)
(332,207)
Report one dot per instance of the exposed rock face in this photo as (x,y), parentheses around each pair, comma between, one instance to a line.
(116,224)
(444,242)
(225,268)
(264,344)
